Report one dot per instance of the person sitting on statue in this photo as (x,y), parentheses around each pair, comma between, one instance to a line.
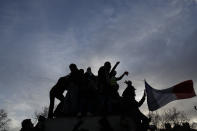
(62,85)
(130,107)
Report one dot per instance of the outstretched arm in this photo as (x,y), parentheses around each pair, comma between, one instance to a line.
(142,100)
(119,78)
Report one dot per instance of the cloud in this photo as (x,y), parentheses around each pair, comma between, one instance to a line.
(153,40)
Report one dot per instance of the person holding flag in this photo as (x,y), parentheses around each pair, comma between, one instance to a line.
(130,107)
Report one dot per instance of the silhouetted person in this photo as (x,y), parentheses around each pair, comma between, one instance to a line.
(113,82)
(62,85)
(27,125)
(40,126)
(104,76)
(89,75)
(130,107)
(91,91)
(83,91)
(74,74)
(114,91)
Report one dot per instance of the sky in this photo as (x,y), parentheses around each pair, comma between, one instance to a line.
(153,40)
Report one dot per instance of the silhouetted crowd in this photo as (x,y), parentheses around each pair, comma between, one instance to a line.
(92,95)
(88,94)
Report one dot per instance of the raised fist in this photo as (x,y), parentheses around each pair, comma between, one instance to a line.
(126,73)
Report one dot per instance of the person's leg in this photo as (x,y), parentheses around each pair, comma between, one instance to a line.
(51,106)
(60,97)
(52,101)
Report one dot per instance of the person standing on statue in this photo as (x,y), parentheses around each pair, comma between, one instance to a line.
(114,94)
(130,107)
(104,88)
(114,83)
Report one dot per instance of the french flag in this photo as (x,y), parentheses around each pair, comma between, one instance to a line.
(158,98)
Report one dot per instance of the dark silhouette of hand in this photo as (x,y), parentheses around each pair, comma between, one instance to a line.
(126,73)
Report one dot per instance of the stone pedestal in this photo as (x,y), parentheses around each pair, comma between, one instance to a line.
(110,123)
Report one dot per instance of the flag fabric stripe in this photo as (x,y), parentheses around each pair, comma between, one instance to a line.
(158,98)
(151,100)
(181,92)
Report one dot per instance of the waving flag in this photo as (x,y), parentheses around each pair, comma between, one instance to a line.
(158,98)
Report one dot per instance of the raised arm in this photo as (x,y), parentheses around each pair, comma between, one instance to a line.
(113,69)
(142,100)
(119,78)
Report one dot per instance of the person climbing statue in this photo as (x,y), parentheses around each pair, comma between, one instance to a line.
(62,85)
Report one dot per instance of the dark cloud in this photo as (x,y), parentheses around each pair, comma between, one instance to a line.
(154,39)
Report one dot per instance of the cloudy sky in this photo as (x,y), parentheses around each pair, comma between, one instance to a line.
(153,39)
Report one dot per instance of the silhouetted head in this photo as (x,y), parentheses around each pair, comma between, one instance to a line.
(107,66)
(73,67)
(89,70)
(129,83)
(27,124)
(129,92)
(81,71)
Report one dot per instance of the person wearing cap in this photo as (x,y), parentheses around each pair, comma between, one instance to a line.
(130,107)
